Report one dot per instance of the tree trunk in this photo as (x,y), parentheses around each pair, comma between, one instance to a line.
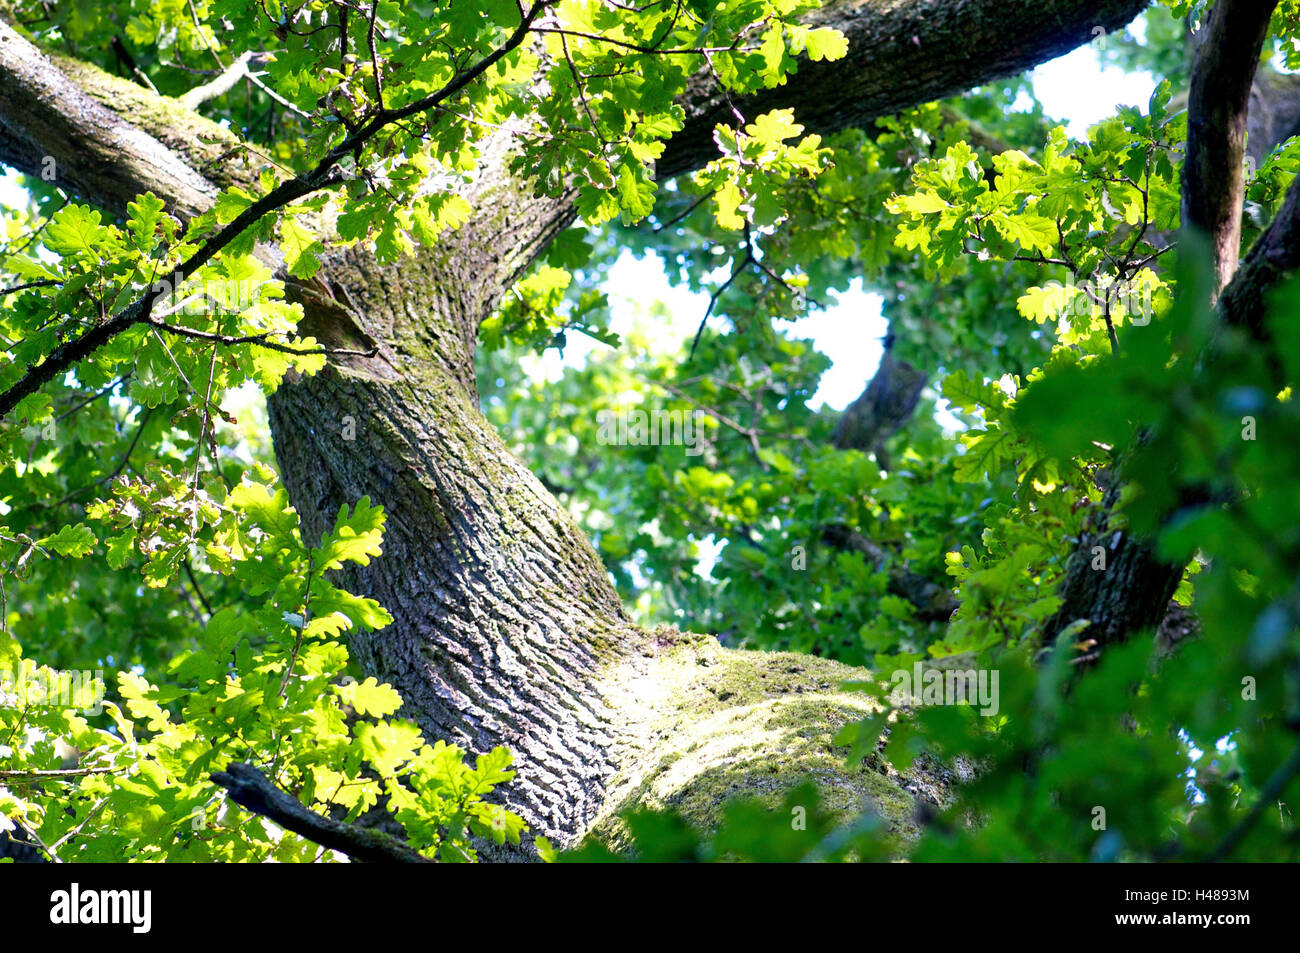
(508,630)
(1114,580)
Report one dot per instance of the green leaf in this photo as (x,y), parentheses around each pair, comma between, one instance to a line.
(371,698)
(301,248)
(75,230)
(75,541)
(230,204)
(826,43)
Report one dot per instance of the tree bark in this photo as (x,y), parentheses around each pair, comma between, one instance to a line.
(1122,590)
(1218,104)
(883,407)
(507,629)
(1131,590)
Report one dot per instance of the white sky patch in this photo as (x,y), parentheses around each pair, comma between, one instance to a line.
(1078,90)
(11,195)
(851,331)
(633,284)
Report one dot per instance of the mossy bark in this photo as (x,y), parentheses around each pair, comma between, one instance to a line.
(508,630)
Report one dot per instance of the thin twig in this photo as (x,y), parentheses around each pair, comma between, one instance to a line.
(261,340)
(54,774)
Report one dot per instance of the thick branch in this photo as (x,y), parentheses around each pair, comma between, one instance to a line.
(888,402)
(48,125)
(902,53)
(1217,109)
(1132,592)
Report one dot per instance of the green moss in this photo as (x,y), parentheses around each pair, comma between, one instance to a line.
(710,724)
(201,141)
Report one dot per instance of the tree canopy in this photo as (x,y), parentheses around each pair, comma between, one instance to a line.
(206,610)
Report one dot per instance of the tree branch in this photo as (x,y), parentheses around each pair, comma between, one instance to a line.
(1214,188)
(218,87)
(1272,791)
(901,54)
(46,117)
(251,789)
(54,774)
(261,340)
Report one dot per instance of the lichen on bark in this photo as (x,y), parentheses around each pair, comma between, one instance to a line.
(706,724)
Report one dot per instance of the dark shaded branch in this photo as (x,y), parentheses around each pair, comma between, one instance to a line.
(1275,254)
(888,402)
(1132,593)
(68,354)
(251,789)
(718,293)
(194,584)
(43,283)
(260,340)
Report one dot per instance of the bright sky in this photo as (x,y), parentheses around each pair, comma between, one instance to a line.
(1073,88)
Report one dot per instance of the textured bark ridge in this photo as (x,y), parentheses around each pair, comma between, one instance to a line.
(504,618)
(508,631)
(1129,592)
